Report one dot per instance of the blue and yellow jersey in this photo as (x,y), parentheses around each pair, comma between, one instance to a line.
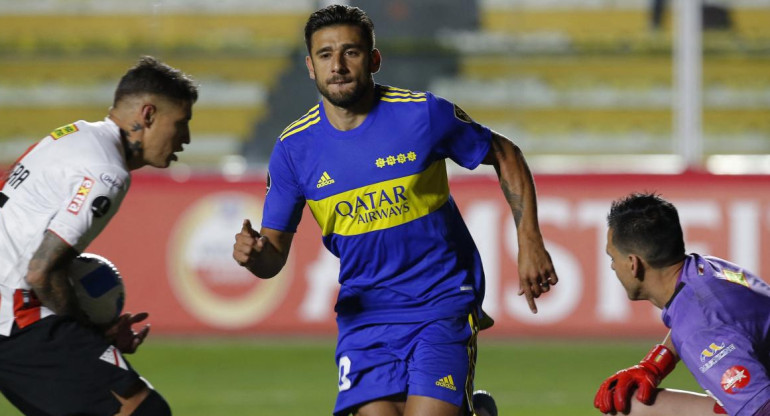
(380,194)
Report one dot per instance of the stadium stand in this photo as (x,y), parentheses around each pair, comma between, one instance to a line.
(595,78)
(60,63)
(584,78)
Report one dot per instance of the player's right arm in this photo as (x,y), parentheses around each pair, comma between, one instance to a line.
(614,394)
(263,253)
(47,275)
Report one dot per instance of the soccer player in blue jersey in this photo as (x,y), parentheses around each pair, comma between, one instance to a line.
(717,312)
(369,160)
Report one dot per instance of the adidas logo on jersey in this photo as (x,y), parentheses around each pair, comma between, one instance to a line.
(446,382)
(325,180)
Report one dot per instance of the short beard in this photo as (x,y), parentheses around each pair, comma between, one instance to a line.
(348,100)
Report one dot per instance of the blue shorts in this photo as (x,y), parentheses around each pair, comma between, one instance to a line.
(434,359)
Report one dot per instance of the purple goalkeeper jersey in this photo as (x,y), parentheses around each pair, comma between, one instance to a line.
(720,325)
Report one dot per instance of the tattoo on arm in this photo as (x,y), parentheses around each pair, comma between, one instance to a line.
(503,157)
(514,200)
(47,275)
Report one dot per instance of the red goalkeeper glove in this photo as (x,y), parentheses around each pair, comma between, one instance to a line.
(614,394)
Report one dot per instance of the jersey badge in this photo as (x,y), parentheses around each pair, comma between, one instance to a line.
(735,277)
(446,382)
(100,206)
(735,379)
(63,131)
(325,180)
(83,191)
(462,115)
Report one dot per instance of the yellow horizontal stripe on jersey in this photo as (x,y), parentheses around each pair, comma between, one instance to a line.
(403,94)
(301,127)
(383,205)
(403,100)
(310,114)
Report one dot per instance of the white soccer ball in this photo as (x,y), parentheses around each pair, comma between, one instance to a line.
(98,287)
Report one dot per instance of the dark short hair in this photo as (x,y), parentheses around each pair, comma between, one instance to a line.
(338,14)
(150,76)
(647,225)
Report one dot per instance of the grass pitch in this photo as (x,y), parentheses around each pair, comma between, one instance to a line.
(291,377)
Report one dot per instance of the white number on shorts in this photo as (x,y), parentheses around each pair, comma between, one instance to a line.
(344,382)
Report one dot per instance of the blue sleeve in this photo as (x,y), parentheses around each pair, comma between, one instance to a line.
(285,200)
(459,137)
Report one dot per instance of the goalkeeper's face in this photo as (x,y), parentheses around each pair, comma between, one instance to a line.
(342,64)
(625,269)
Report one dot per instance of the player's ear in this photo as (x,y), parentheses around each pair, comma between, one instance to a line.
(149,111)
(309,64)
(376,61)
(637,266)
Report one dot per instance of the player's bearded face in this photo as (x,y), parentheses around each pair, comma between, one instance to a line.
(342,65)
(343,90)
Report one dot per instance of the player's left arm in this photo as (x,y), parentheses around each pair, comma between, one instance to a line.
(47,276)
(536,271)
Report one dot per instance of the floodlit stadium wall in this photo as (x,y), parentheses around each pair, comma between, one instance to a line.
(173,243)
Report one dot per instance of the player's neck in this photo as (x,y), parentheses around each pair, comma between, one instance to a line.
(667,278)
(132,148)
(348,118)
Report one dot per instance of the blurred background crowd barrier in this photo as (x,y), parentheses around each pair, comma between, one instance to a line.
(173,243)
(591,90)
(582,78)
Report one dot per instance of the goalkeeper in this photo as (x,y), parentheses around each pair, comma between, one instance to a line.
(717,312)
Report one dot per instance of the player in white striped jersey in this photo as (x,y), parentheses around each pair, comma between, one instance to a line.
(57,197)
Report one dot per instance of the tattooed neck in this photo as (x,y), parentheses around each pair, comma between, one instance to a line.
(133,147)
